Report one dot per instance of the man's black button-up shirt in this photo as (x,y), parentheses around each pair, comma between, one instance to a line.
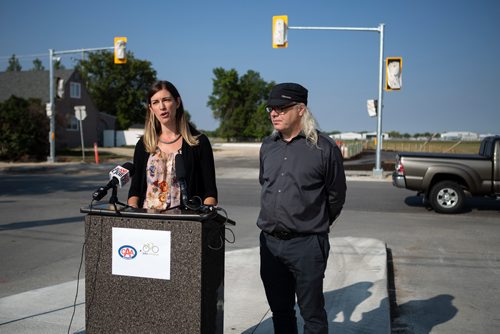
(303,186)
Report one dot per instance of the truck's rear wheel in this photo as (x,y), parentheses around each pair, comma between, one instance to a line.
(447,197)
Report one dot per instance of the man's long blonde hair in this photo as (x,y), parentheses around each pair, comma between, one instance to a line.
(309,126)
(152,127)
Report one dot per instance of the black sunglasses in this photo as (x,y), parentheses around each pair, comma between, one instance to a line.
(280,110)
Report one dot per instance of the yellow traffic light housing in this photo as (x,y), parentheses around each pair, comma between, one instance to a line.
(120,50)
(280,31)
(393,73)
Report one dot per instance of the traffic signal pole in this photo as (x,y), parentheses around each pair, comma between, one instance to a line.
(377,171)
(52,135)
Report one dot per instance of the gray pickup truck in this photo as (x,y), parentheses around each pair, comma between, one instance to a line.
(445,179)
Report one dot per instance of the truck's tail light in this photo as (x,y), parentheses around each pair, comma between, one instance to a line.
(400,169)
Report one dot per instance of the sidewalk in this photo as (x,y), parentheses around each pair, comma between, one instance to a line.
(355,294)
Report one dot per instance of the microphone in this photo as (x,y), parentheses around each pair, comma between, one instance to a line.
(119,175)
(180,173)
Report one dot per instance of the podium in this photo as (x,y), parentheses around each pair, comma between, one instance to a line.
(125,295)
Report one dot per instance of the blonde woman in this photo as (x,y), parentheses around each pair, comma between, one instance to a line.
(167,133)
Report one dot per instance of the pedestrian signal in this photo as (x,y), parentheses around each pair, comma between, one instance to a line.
(120,50)
(393,73)
(280,31)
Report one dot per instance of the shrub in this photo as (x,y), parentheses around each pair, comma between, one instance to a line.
(24,129)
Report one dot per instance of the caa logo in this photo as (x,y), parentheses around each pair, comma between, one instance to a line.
(127,252)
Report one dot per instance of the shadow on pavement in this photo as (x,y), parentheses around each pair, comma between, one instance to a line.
(471,203)
(421,316)
(35,184)
(38,223)
(341,307)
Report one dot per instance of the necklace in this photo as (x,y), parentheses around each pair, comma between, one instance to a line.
(169,142)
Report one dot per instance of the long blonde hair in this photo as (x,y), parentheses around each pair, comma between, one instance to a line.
(152,127)
(309,126)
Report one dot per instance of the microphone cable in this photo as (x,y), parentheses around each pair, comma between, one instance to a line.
(220,233)
(196,204)
(233,239)
(261,319)
(88,303)
(78,275)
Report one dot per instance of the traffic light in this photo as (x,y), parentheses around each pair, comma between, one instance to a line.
(120,50)
(393,73)
(280,30)
(59,88)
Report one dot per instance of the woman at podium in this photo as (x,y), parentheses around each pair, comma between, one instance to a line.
(159,182)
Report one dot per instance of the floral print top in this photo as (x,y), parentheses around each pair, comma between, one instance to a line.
(163,190)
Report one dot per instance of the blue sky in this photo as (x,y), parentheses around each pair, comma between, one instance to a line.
(450,51)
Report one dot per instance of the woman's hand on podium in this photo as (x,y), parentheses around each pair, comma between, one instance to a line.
(133,202)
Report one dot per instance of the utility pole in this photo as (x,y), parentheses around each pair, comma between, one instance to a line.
(52,135)
(280,40)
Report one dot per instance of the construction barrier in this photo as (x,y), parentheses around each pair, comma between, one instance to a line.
(350,150)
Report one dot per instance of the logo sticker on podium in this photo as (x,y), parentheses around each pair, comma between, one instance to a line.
(141,253)
(127,252)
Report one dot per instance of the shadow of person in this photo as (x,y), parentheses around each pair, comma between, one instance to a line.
(342,307)
(341,303)
(421,316)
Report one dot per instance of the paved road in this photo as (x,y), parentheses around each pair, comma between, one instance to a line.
(447,267)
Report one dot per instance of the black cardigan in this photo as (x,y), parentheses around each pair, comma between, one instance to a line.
(198,162)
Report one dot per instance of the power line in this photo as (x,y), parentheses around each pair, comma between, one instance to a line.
(24,56)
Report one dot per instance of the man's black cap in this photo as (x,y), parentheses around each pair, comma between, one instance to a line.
(285,93)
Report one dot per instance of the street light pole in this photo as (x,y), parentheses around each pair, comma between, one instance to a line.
(377,171)
(52,157)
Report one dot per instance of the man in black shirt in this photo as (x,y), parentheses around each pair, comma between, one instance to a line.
(303,191)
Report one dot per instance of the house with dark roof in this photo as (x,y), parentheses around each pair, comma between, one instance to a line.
(70,92)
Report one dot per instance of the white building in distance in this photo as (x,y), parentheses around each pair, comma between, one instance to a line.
(459,135)
(357,136)
(348,136)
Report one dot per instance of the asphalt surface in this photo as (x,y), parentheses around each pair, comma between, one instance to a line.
(355,285)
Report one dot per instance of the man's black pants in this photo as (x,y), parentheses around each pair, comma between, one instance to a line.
(295,267)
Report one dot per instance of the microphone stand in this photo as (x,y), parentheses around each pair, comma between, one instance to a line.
(114,199)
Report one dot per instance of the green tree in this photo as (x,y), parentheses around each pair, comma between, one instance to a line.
(118,89)
(37,65)
(239,104)
(14,65)
(58,65)
(256,92)
(224,99)
(394,134)
(23,130)
(260,124)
